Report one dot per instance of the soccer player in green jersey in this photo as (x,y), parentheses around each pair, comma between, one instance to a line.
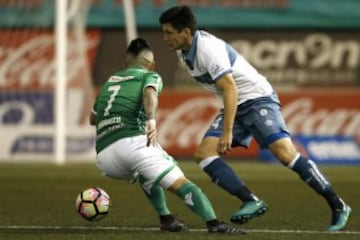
(124,115)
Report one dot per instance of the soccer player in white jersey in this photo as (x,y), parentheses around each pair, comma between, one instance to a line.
(250,108)
(124,116)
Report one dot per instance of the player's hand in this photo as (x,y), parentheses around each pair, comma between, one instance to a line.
(151,132)
(224,144)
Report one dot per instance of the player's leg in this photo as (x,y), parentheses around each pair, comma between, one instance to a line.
(308,171)
(196,200)
(160,169)
(219,171)
(114,162)
(222,174)
(269,129)
(157,198)
(110,161)
(143,162)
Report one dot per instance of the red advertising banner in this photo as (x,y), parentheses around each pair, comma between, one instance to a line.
(27,59)
(185,116)
(324,111)
(28,64)
(27,96)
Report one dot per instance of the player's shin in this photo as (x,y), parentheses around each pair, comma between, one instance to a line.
(156,196)
(225,177)
(309,173)
(196,200)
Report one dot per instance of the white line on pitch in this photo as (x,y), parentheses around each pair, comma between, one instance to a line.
(157,229)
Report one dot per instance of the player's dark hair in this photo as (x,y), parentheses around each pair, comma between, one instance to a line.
(138,45)
(179,17)
(139,53)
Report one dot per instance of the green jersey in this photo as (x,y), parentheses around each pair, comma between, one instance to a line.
(119,105)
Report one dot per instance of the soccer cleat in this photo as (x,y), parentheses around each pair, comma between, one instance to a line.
(224,228)
(339,218)
(248,211)
(173,226)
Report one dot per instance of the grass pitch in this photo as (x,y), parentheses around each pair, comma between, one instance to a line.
(37,201)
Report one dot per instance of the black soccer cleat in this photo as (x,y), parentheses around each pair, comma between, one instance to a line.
(224,228)
(173,226)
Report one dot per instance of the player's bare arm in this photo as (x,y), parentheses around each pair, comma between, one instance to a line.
(150,102)
(227,85)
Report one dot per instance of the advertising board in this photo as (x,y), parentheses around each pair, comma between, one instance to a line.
(325,122)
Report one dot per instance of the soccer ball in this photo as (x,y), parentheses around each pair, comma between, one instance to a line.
(93,204)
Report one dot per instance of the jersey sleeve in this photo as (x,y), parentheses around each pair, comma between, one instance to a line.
(214,58)
(154,80)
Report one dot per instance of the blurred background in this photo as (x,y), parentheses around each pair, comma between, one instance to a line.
(54,55)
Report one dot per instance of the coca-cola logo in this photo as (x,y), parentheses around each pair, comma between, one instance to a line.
(30,60)
(302,118)
(184,124)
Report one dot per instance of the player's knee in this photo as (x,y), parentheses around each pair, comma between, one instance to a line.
(178,184)
(284,150)
(285,155)
(200,154)
(284,158)
(207,148)
(197,156)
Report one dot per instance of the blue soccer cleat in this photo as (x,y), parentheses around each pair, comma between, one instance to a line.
(248,211)
(339,218)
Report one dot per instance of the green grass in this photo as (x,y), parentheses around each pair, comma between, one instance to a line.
(43,196)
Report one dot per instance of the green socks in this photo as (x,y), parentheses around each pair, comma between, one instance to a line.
(192,195)
(156,196)
(196,200)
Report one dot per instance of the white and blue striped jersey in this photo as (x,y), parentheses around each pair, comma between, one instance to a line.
(210,58)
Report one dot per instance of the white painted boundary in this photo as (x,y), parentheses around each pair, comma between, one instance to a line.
(154,229)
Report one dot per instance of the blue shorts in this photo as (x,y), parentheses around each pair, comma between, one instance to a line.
(259,118)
